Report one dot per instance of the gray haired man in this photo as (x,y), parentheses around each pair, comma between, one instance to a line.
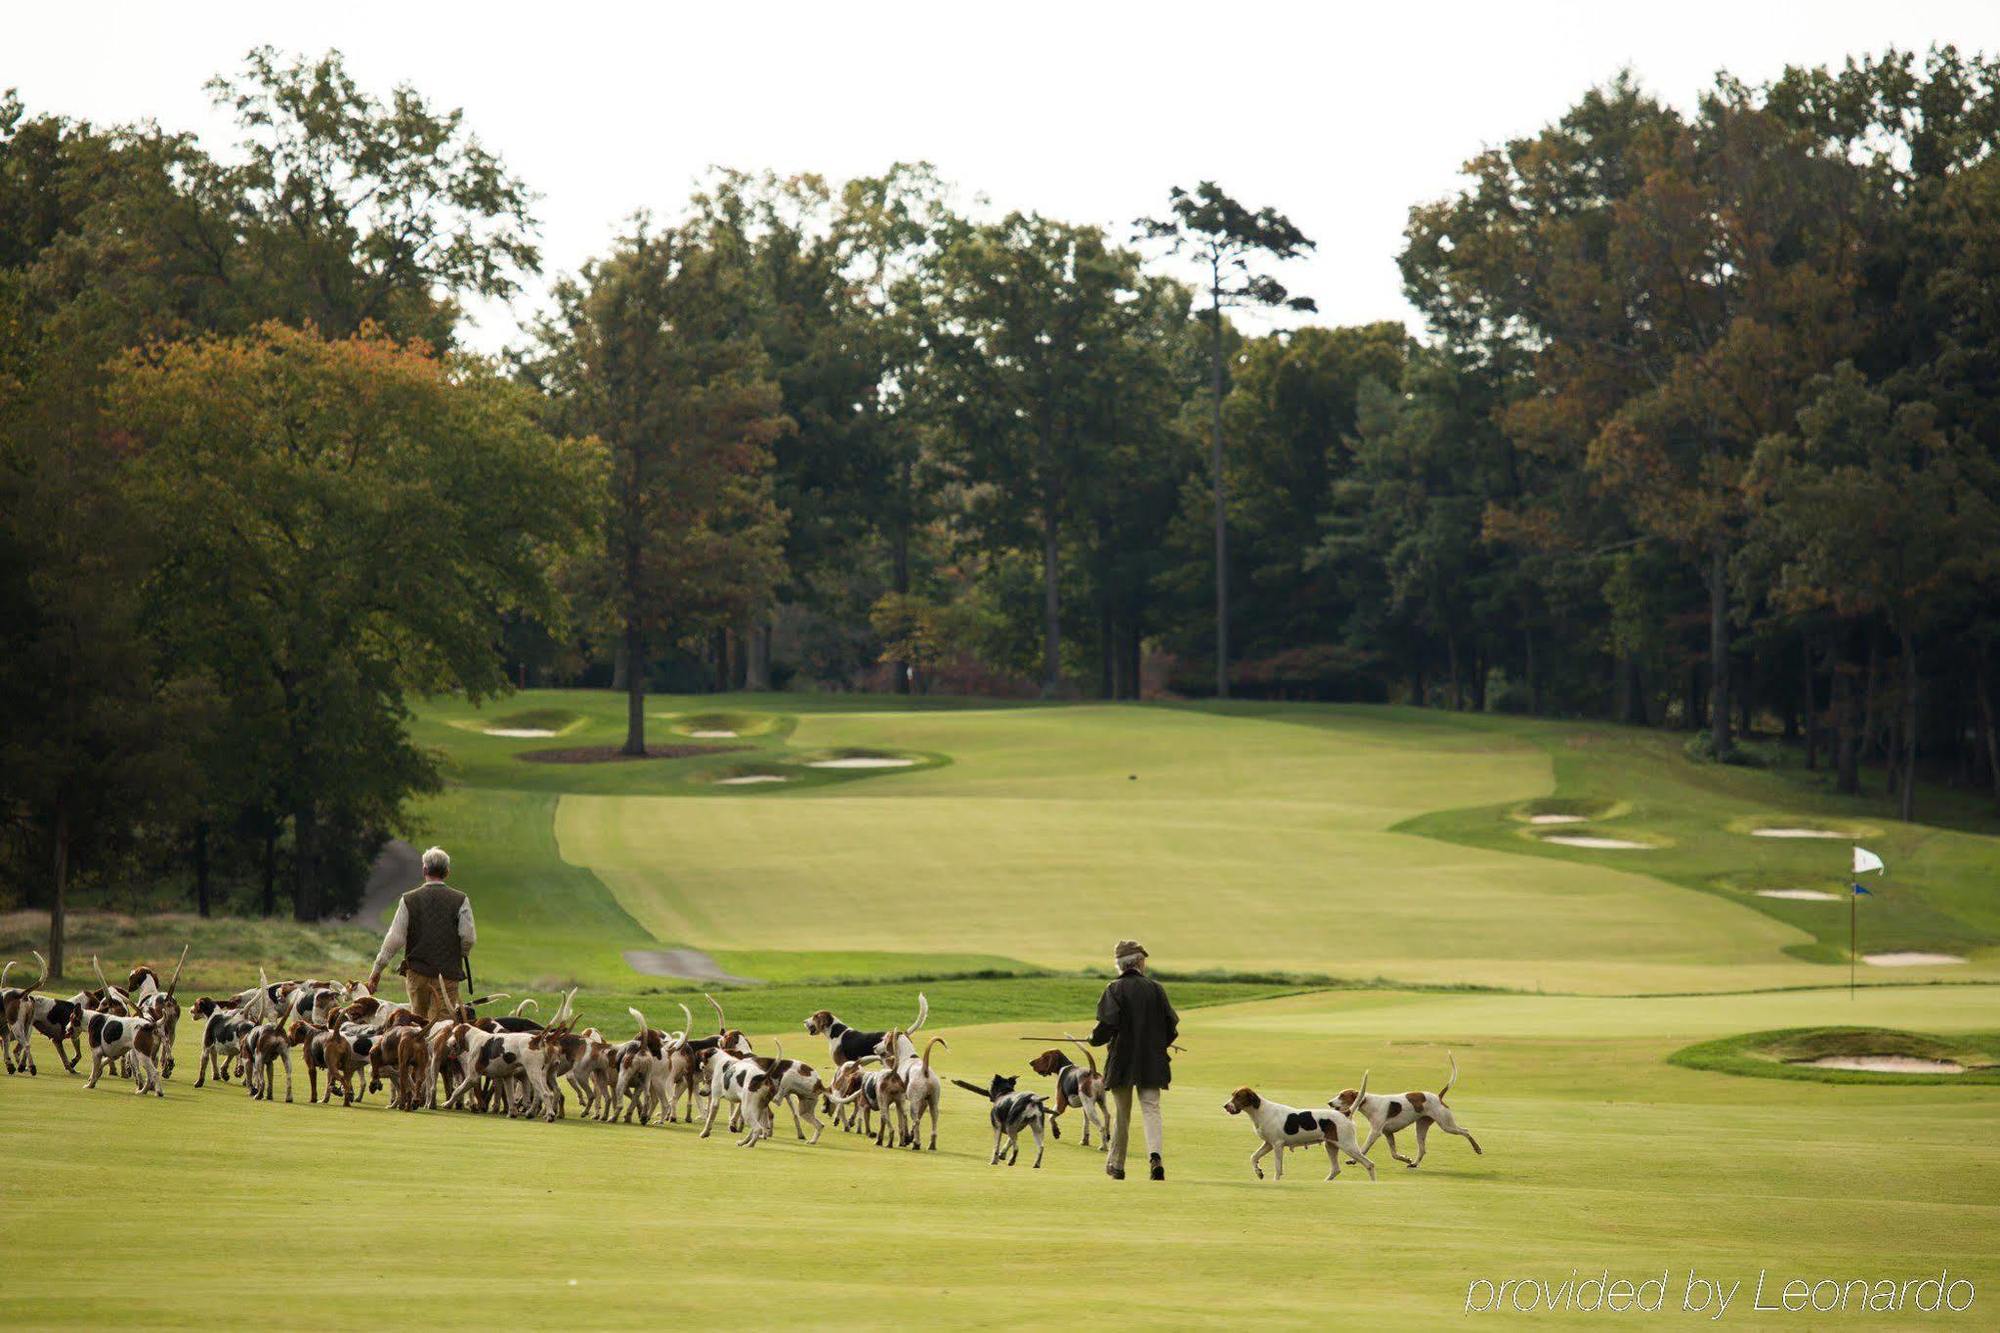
(433,930)
(1134,1016)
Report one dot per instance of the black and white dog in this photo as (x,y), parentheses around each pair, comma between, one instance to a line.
(844,1043)
(221,1039)
(1281,1127)
(1011,1113)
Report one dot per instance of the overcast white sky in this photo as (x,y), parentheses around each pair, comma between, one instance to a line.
(1340,115)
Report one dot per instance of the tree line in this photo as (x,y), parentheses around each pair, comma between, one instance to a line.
(1700,433)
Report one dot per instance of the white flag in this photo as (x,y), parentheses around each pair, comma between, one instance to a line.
(1865,860)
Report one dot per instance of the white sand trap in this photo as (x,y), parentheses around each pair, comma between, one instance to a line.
(713,735)
(1603,844)
(1887,1064)
(1558,819)
(1911,958)
(1801,895)
(1794,833)
(749,779)
(519,733)
(863,761)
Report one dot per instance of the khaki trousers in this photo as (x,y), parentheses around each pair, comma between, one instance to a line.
(432,997)
(1121,1122)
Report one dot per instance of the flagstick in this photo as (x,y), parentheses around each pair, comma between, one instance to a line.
(1853,947)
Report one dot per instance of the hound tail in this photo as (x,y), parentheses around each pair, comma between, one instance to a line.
(1088,1054)
(524,1004)
(111,992)
(644,1026)
(3,973)
(565,1018)
(177,967)
(1453,1077)
(934,1041)
(45,970)
(923,1012)
(688,1016)
(1362,1091)
(721,1023)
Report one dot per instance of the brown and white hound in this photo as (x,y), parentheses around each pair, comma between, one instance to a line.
(1079,1087)
(1386,1115)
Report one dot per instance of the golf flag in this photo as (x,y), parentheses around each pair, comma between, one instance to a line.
(1865,861)
(1859,891)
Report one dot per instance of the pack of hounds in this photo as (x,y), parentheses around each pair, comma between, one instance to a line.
(358,1043)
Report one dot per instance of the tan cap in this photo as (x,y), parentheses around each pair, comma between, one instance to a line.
(1126,948)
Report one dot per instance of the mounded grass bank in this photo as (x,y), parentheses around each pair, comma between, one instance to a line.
(743,725)
(1788,1053)
(1936,897)
(557,720)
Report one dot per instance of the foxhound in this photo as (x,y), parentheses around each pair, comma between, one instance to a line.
(1283,1127)
(1011,1113)
(844,1043)
(741,1080)
(116,1037)
(1079,1087)
(59,1020)
(922,1090)
(221,1038)
(259,1048)
(1387,1115)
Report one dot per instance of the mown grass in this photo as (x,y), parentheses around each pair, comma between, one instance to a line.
(1293,845)
(1252,838)
(1599,1154)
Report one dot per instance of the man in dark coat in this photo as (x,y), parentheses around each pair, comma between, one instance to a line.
(1134,1016)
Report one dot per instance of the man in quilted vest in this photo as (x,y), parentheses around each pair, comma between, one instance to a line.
(433,929)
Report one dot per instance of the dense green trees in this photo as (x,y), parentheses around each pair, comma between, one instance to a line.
(1224,239)
(340,523)
(232,547)
(649,352)
(1701,431)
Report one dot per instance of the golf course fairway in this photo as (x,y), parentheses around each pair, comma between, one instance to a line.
(1326,892)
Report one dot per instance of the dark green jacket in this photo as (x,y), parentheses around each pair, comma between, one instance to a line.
(1134,1016)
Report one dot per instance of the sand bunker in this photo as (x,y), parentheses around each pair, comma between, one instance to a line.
(1558,819)
(748,779)
(713,735)
(1886,1064)
(1606,844)
(863,761)
(1794,833)
(1801,895)
(520,733)
(1910,958)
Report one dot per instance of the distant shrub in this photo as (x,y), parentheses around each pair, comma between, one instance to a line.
(1700,747)
(1325,672)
